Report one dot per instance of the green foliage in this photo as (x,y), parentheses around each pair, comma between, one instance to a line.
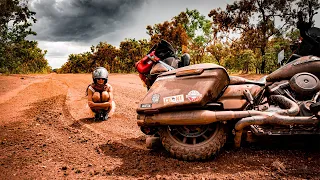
(199,32)
(218,51)
(23,57)
(15,18)
(18,55)
(77,63)
(239,58)
(255,49)
(115,60)
(257,33)
(172,31)
(242,61)
(130,52)
(194,23)
(104,55)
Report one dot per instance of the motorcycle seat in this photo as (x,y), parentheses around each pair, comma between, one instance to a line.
(235,80)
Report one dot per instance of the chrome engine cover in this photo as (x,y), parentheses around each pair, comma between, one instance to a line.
(304,83)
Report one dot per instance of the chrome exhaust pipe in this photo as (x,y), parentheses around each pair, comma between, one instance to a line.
(201,117)
(195,117)
(280,117)
(291,108)
(275,119)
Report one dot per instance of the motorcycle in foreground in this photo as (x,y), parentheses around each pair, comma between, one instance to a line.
(193,108)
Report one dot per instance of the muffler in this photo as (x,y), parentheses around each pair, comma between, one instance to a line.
(275,119)
(201,117)
(195,117)
(285,116)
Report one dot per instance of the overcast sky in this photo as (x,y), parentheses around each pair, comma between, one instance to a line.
(72,26)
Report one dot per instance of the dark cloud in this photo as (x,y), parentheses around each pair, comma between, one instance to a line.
(81,20)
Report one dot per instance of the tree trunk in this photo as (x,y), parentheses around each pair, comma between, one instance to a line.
(263,63)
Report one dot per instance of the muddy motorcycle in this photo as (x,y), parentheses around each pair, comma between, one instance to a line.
(194,108)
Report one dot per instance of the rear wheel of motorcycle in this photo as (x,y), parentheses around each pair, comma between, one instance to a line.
(194,142)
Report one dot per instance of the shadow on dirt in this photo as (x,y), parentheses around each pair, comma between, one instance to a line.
(296,142)
(301,162)
(89,120)
(78,123)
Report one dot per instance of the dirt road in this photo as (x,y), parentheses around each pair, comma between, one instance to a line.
(47,132)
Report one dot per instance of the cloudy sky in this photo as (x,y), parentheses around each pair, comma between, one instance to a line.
(73,26)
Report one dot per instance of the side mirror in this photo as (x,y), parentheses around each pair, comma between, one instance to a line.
(280,56)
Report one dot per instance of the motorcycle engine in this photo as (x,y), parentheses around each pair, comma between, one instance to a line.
(303,88)
(304,84)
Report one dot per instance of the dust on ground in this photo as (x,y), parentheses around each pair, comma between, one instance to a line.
(48,132)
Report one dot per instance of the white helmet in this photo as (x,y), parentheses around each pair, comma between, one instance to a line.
(100,72)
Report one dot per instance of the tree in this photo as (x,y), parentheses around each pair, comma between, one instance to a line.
(77,63)
(189,31)
(18,55)
(24,57)
(238,17)
(15,21)
(236,57)
(104,55)
(172,32)
(199,32)
(130,52)
(219,51)
(80,63)
(308,8)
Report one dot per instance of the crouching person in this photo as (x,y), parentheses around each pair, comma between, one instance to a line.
(100,95)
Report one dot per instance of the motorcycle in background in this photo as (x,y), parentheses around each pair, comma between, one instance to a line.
(194,108)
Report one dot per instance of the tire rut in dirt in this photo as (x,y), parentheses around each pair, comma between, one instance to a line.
(64,139)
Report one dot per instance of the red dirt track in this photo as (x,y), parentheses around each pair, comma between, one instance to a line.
(48,132)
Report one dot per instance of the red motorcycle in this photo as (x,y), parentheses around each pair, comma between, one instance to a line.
(194,108)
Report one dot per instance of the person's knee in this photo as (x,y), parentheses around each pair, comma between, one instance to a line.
(112,109)
(96,97)
(105,96)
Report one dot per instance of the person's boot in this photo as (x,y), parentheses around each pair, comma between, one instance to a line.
(97,116)
(101,117)
(104,115)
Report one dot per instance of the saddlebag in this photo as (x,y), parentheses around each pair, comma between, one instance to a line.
(185,88)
